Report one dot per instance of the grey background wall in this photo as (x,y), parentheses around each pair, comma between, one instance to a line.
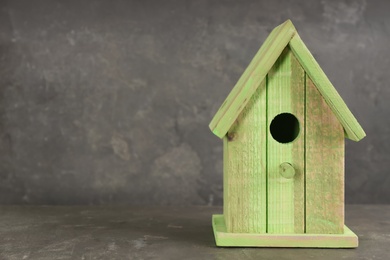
(109,101)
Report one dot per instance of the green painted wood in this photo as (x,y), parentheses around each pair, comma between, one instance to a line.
(285,94)
(245,168)
(286,170)
(352,128)
(284,193)
(251,78)
(348,239)
(226,211)
(324,166)
(258,68)
(297,84)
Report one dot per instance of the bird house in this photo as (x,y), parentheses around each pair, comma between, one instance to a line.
(283,127)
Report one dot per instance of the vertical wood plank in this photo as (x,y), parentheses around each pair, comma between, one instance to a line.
(285,90)
(246,168)
(298,156)
(226,211)
(324,166)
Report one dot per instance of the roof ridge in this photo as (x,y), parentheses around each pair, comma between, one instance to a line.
(352,128)
(252,77)
(280,37)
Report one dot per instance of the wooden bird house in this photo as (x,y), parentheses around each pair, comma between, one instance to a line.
(283,127)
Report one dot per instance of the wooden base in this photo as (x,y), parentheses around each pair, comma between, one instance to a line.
(225,239)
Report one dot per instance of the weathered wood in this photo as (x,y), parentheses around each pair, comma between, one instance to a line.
(251,78)
(286,170)
(352,128)
(245,169)
(285,94)
(324,166)
(283,127)
(347,239)
(257,70)
(226,211)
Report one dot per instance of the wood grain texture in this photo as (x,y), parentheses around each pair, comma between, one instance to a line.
(245,169)
(284,34)
(352,128)
(348,239)
(226,211)
(286,170)
(285,94)
(291,184)
(324,166)
(251,78)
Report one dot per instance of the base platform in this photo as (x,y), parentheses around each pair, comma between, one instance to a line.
(225,239)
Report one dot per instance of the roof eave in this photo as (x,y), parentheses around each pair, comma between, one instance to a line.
(283,35)
(251,78)
(352,128)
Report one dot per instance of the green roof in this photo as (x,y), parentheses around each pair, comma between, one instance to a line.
(283,35)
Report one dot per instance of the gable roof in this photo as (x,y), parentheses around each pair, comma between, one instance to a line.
(283,35)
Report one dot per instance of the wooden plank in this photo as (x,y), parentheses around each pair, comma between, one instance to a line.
(245,187)
(324,166)
(352,128)
(297,94)
(251,78)
(226,211)
(222,238)
(285,94)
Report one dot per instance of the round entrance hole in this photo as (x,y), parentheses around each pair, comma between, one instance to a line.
(284,128)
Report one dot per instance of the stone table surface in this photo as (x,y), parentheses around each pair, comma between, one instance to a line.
(108,232)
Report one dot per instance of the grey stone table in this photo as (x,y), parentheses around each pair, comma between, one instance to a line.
(81,232)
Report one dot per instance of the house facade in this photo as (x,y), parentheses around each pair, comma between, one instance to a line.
(283,127)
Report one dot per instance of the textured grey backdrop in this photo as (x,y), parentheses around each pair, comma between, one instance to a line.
(109,101)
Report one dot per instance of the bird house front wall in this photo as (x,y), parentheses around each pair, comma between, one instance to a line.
(324,166)
(261,195)
(285,145)
(245,173)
